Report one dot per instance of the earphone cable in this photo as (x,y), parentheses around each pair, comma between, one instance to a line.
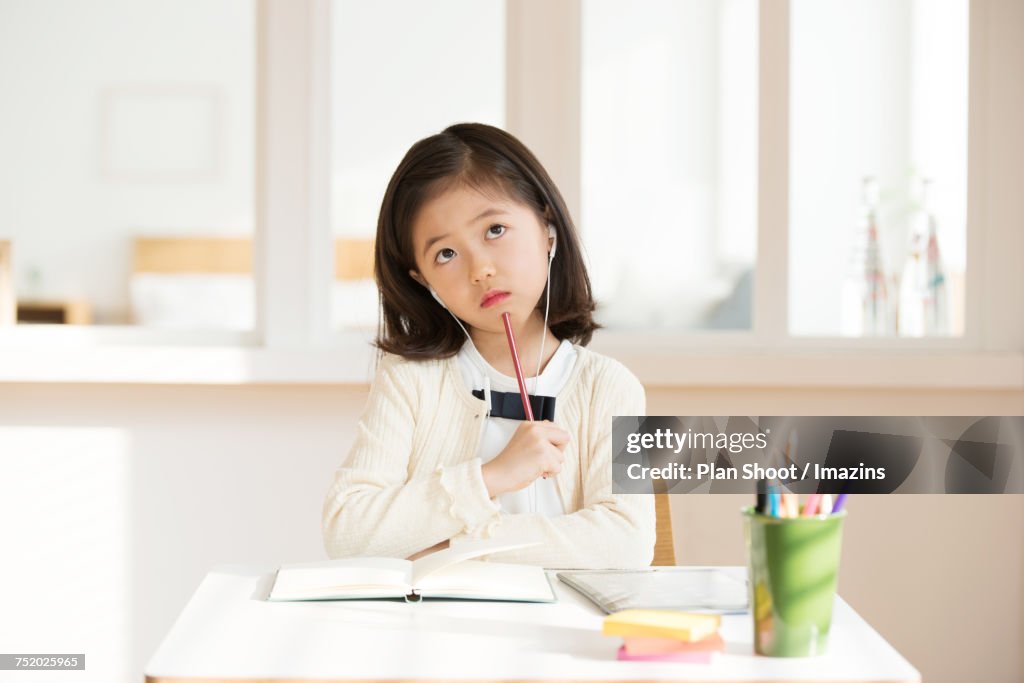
(544,331)
(536,379)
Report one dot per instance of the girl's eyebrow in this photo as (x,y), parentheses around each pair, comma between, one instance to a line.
(493,211)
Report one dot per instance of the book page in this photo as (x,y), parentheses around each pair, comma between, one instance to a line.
(487,580)
(429,564)
(341,578)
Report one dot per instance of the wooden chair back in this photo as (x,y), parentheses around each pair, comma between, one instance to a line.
(664,549)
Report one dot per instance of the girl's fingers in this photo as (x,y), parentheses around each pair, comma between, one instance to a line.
(556,435)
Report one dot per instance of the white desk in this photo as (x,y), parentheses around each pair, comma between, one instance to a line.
(229,631)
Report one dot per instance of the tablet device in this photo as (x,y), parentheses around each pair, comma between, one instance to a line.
(685,588)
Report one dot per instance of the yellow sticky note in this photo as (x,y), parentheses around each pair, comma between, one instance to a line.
(658,623)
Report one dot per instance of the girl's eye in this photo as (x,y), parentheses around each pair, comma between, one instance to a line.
(445,255)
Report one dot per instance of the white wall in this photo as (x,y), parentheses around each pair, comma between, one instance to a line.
(119,510)
(60,62)
(121,498)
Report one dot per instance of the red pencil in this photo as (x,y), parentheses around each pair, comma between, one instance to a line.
(519,370)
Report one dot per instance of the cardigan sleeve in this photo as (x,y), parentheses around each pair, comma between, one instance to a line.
(373,508)
(610,530)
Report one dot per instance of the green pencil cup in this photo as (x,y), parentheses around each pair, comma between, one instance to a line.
(793,564)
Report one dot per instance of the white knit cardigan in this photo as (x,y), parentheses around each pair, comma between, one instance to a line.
(412,478)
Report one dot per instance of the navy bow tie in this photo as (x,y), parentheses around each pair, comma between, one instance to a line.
(509,404)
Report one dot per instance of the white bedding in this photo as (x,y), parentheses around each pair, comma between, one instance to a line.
(227,302)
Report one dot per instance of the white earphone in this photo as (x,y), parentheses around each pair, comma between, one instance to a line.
(457,322)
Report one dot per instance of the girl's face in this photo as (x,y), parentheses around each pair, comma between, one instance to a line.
(482,255)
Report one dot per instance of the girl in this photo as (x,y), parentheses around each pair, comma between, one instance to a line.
(469,229)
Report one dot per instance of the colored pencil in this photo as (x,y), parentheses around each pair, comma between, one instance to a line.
(811,507)
(825,506)
(519,368)
(792,504)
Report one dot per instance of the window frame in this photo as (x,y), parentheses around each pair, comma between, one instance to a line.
(293,258)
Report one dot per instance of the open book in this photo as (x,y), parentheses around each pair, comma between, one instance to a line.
(449,573)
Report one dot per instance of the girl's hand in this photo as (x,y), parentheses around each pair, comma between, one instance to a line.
(535,450)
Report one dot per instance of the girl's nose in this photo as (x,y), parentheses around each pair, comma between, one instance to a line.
(482,268)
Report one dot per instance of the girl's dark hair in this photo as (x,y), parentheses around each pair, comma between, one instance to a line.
(488,159)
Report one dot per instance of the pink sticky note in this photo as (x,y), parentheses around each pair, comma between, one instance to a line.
(636,645)
(687,657)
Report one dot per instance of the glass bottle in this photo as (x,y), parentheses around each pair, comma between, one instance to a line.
(865,310)
(924,298)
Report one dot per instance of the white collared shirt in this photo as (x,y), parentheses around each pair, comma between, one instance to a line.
(541,497)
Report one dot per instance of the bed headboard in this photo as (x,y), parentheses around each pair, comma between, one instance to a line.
(8,307)
(353,257)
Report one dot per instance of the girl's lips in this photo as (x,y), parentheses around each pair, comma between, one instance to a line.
(492,299)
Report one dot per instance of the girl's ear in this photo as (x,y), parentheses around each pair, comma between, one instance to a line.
(548,214)
(418,278)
